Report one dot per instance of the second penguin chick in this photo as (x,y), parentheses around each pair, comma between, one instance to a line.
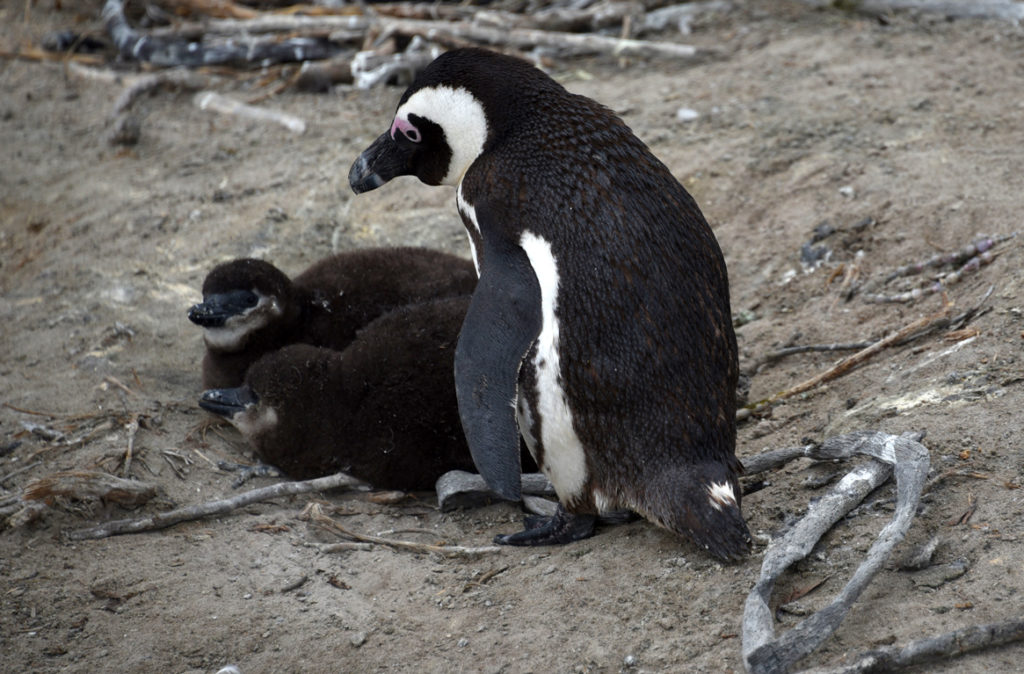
(383,410)
(251,307)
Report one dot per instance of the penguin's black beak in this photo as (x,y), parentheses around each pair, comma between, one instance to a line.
(227,402)
(379,163)
(216,309)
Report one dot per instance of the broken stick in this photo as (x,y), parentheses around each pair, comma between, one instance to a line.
(218,507)
(211,100)
(945,646)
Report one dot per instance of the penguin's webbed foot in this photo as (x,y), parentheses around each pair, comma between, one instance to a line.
(246,473)
(558,529)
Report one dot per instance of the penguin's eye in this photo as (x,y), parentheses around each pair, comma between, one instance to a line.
(407,129)
(243,299)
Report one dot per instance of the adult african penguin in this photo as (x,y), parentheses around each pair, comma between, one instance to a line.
(600,327)
(251,307)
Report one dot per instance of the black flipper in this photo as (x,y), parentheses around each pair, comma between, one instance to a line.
(562,527)
(503,321)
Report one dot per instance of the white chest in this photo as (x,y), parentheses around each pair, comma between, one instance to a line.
(564,456)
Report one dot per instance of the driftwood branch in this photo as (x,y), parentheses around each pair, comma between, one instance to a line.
(176,50)
(1005,10)
(774,458)
(211,100)
(904,455)
(218,507)
(576,44)
(169,47)
(946,646)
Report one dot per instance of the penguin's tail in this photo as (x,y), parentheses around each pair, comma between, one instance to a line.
(702,502)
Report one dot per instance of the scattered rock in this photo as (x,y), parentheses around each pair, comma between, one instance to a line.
(938,576)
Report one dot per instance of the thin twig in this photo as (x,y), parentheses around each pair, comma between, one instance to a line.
(317,516)
(132,427)
(32,412)
(848,363)
(114,381)
(21,470)
(218,507)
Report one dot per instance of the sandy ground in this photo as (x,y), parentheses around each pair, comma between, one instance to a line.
(904,136)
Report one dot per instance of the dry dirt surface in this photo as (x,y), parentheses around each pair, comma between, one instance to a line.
(904,136)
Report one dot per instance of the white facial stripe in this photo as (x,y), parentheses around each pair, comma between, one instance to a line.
(460,115)
(466,209)
(232,334)
(254,419)
(564,459)
(721,494)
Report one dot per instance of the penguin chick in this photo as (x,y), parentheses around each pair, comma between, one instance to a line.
(383,410)
(251,307)
(600,328)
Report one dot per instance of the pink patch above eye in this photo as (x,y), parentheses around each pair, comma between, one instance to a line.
(407,129)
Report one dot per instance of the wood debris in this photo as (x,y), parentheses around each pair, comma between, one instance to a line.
(1004,10)
(89,485)
(217,507)
(358,44)
(903,456)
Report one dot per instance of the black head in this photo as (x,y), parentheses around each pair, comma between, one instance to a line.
(239,298)
(454,109)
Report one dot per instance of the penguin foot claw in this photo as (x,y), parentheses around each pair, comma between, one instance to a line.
(246,473)
(558,529)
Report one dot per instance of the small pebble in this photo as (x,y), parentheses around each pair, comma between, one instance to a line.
(358,639)
(463,642)
(847,191)
(686,114)
(629,660)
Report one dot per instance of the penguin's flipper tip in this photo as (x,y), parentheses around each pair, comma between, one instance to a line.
(502,322)
(558,529)
(702,502)
(729,541)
